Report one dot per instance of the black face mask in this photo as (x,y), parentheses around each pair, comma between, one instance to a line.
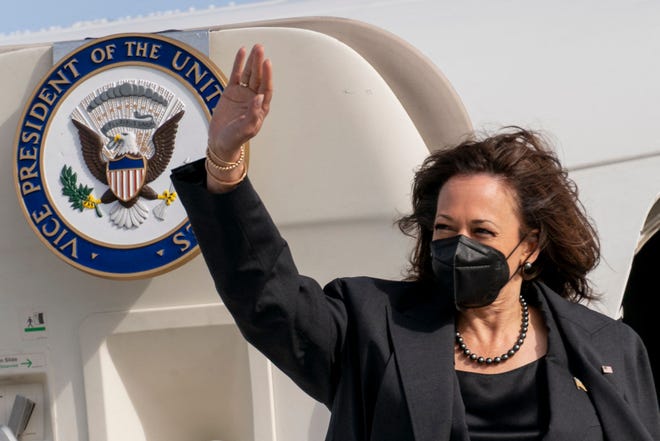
(472,272)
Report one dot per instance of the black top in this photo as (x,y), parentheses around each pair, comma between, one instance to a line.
(509,406)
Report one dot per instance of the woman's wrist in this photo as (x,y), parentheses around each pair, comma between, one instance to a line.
(222,165)
(223,174)
(223,154)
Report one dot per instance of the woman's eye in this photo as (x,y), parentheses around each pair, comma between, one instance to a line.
(441,227)
(484,232)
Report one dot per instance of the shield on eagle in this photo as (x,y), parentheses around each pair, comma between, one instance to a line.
(126,176)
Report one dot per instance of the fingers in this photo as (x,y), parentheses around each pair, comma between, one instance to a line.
(266,86)
(236,70)
(247,70)
(256,69)
(257,75)
(241,110)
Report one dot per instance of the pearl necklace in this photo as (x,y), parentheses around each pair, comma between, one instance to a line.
(511,352)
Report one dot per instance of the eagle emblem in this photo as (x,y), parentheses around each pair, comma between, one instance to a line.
(125,147)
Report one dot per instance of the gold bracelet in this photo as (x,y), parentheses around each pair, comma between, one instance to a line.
(218,159)
(220,181)
(215,160)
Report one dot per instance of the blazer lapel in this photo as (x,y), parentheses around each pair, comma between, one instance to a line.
(618,421)
(571,414)
(423,343)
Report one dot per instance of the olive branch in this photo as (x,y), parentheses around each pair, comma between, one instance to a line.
(79,195)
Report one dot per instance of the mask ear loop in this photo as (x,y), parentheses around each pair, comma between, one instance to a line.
(522,266)
(527,269)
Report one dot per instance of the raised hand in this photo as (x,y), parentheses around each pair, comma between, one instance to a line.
(240,112)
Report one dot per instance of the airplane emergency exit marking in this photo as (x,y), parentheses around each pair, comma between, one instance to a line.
(22,361)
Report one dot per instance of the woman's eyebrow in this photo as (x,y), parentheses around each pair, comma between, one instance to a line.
(444,216)
(483,221)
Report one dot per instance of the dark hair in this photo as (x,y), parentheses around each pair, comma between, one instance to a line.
(547,201)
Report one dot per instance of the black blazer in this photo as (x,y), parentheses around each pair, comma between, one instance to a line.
(380,354)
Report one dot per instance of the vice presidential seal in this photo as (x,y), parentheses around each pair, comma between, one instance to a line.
(95,145)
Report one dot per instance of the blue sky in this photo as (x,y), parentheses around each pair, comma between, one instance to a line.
(33,15)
